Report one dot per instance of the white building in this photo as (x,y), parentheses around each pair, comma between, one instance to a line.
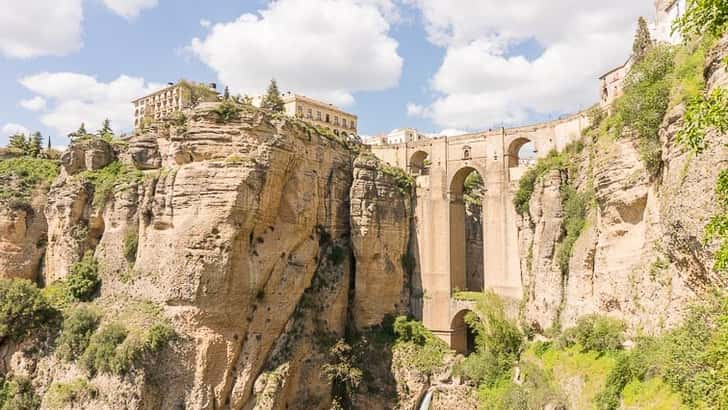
(666,11)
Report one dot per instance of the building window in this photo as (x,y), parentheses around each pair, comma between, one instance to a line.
(343,122)
(309,114)
(300,111)
(318,115)
(336,121)
(353,125)
(328,118)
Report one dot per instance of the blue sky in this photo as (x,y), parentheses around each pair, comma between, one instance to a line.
(429,64)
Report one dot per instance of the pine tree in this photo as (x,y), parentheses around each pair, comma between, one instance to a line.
(272,101)
(106,132)
(642,41)
(19,144)
(79,133)
(35,145)
(226,94)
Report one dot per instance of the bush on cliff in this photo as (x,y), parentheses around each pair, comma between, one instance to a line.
(17,393)
(77,330)
(24,310)
(26,174)
(596,333)
(83,279)
(106,179)
(419,347)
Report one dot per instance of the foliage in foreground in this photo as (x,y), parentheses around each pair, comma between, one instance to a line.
(422,349)
(23,310)
(83,279)
(106,179)
(16,393)
(703,17)
(28,174)
(115,350)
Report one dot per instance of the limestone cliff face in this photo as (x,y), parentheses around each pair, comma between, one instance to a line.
(249,233)
(641,255)
(380,219)
(22,238)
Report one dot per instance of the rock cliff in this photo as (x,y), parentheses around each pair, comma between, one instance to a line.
(640,256)
(257,237)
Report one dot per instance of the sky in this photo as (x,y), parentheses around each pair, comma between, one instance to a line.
(441,66)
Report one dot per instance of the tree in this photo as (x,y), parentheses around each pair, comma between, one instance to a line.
(35,145)
(19,143)
(272,101)
(226,94)
(79,133)
(703,16)
(106,132)
(642,41)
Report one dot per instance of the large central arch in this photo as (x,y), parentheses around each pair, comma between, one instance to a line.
(459,278)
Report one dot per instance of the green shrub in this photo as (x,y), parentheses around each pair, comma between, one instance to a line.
(536,391)
(703,17)
(115,350)
(227,111)
(701,115)
(83,279)
(75,392)
(78,328)
(24,310)
(421,349)
(498,342)
(596,333)
(131,243)
(645,102)
(405,182)
(343,372)
(717,228)
(575,205)
(101,350)
(17,393)
(106,179)
(27,174)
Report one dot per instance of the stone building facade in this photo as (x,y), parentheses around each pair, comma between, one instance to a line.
(320,113)
(666,13)
(171,99)
(612,83)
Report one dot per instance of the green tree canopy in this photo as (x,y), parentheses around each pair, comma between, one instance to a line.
(272,101)
(642,41)
(703,16)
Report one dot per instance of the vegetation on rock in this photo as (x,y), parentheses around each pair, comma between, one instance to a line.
(78,327)
(420,348)
(272,101)
(75,392)
(24,310)
(106,179)
(20,176)
(83,279)
(17,393)
(703,17)
(642,41)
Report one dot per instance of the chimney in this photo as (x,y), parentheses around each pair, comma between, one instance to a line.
(213,86)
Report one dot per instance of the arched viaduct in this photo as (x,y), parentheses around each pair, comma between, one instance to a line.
(440,166)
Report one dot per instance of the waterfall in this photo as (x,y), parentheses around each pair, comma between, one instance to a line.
(425,405)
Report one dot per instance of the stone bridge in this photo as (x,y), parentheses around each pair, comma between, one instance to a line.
(440,167)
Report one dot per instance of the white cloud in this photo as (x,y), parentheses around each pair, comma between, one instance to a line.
(483,82)
(205,23)
(12,129)
(32,28)
(36,103)
(130,9)
(323,48)
(76,98)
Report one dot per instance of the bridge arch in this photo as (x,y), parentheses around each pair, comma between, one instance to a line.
(466,257)
(418,163)
(462,339)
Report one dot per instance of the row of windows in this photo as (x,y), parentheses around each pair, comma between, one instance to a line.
(326,118)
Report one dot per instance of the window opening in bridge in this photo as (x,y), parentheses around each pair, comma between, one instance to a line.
(522,153)
(466,231)
(463,335)
(419,163)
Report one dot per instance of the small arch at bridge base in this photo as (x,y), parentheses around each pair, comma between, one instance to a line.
(462,336)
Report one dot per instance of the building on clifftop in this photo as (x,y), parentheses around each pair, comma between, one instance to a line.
(317,113)
(173,98)
(667,11)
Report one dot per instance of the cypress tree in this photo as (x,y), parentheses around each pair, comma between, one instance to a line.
(106,132)
(35,145)
(226,94)
(272,101)
(642,40)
